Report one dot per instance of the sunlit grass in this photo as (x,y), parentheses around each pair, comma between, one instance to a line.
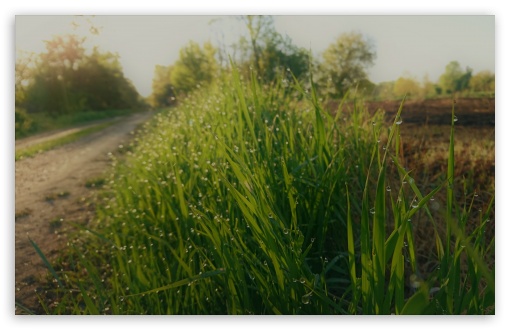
(245,201)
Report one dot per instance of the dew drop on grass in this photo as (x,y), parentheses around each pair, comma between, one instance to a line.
(285,231)
(372,210)
(388,188)
(302,280)
(455,118)
(312,239)
(399,120)
(306,299)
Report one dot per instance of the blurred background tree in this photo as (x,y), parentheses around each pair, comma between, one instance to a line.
(163,93)
(345,63)
(454,79)
(268,53)
(65,79)
(484,82)
(196,67)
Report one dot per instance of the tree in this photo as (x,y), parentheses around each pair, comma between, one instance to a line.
(280,55)
(384,90)
(483,81)
(429,89)
(163,94)
(454,79)
(55,71)
(195,67)
(268,53)
(23,75)
(345,63)
(65,79)
(260,29)
(406,86)
(101,84)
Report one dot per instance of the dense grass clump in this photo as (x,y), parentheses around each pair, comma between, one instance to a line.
(245,200)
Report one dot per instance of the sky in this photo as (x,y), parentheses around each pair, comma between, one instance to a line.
(406,45)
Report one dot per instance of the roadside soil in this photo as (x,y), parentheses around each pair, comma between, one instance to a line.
(50,191)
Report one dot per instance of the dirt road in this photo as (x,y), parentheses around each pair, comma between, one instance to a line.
(50,187)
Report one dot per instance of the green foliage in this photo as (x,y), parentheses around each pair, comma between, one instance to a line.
(269,53)
(483,81)
(406,86)
(454,79)
(345,64)
(195,67)
(24,124)
(280,54)
(163,94)
(242,201)
(65,79)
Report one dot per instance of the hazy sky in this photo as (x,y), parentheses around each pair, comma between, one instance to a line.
(405,45)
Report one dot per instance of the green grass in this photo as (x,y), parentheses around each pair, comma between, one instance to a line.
(250,199)
(96,182)
(44,122)
(32,150)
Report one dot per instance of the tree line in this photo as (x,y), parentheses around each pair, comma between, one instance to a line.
(66,79)
(342,67)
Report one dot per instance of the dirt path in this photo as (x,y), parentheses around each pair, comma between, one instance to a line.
(50,187)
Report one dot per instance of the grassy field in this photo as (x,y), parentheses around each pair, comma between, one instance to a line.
(248,199)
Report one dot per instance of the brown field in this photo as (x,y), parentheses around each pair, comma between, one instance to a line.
(425,135)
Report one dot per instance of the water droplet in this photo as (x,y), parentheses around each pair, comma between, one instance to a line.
(399,120)
(455,118)
(302,280)
(306,298)
(432,198)
(372,210)
(373,123)
(285,231)
(388,188)
(312,239)
(409,220)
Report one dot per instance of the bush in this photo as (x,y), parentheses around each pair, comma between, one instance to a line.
(24,123)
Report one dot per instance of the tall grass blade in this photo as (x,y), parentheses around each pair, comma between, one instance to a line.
(46,262)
